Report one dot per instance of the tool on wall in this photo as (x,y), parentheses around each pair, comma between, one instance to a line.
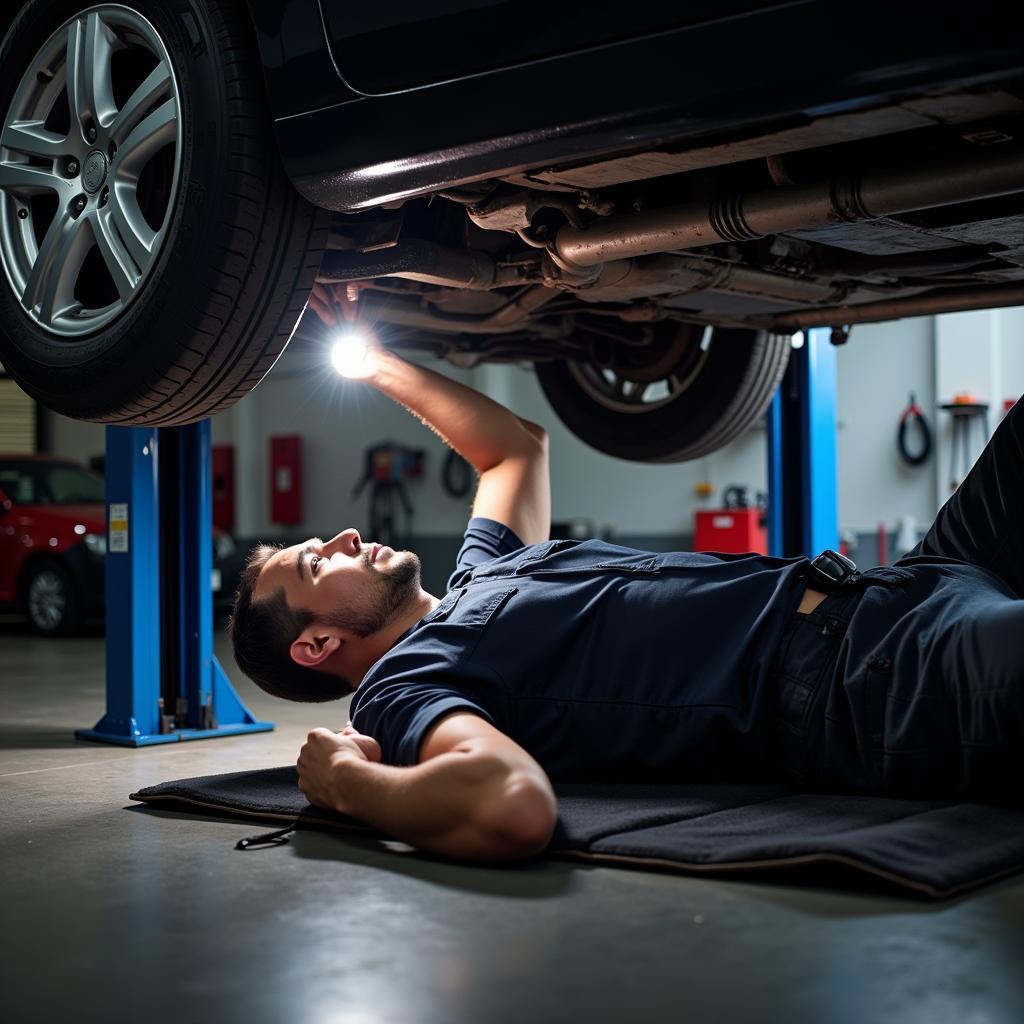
(965,410)
(387,467)
(910,417)
(456,475)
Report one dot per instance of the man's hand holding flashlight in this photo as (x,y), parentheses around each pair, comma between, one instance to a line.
(355,350)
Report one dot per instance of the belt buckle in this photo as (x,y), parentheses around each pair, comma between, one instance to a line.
(830,571)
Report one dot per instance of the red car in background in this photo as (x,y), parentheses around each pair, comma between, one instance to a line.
(53,542)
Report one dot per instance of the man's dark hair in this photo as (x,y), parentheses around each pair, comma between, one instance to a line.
(262,633)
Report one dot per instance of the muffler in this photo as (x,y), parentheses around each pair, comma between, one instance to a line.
(744,217)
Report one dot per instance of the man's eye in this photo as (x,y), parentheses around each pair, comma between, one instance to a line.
(314,562)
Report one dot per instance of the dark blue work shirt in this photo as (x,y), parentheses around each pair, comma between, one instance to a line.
(599,660)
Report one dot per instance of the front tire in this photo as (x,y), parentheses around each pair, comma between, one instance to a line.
(689,394)
(156,258)
(51,602)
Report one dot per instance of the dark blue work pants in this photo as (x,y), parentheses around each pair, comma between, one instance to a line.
(912,682)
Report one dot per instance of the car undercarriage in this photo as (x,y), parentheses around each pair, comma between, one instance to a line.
(901,210)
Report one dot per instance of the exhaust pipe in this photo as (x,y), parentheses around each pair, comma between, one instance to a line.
(741,218)
(950,301)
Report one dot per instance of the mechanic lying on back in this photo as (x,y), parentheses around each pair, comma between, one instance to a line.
(585,660)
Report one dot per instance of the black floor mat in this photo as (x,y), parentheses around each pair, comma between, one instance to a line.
(935,848)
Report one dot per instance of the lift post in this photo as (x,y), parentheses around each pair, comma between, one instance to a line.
(164,683)
(803,502)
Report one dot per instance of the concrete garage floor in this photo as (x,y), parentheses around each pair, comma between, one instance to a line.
(113,914)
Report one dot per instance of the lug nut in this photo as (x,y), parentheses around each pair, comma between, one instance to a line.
(79,204)
(104,196)
(72,167)
(90,134)
(22,213)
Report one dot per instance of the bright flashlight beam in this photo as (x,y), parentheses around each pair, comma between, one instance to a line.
(349,353)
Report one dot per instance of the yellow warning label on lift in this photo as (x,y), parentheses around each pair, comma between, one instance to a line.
(117,528)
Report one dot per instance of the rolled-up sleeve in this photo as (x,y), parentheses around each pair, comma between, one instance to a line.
(483,540)
(415,688)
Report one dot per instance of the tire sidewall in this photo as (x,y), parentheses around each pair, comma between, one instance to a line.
(97,359)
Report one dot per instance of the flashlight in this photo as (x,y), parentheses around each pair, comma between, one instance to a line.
(349,352)
(351,344)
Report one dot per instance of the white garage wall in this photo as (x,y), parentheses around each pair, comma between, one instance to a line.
(981,352)
(877,369)
(1011,351)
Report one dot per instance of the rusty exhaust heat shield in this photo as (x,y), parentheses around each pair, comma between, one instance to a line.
(742,218)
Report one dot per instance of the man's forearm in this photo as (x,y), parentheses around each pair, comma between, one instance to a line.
(457,804)
(481,430)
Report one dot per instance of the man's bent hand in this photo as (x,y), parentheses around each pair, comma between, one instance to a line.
(323,759)
(473,803)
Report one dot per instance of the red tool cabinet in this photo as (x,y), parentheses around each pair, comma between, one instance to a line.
(731,530)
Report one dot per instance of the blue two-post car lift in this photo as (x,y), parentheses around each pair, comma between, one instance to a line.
(803,494)
(164,683)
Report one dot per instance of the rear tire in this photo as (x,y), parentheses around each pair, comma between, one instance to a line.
(239,248)
(720,391)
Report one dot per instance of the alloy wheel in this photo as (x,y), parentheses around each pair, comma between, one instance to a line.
(47,600)
(90,155)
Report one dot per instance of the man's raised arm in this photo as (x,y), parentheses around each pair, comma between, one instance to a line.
(509,453)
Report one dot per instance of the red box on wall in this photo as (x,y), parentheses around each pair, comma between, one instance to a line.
(222,458)
(731,530)
(286,479)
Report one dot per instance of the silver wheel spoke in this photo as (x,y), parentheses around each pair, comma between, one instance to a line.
(139,238)
(115,255)
(156,84)
(32,139)
(90,92)
(95,168)
(50,288)
(153,132)
(25,178)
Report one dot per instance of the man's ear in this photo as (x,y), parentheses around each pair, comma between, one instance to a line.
(314,646)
